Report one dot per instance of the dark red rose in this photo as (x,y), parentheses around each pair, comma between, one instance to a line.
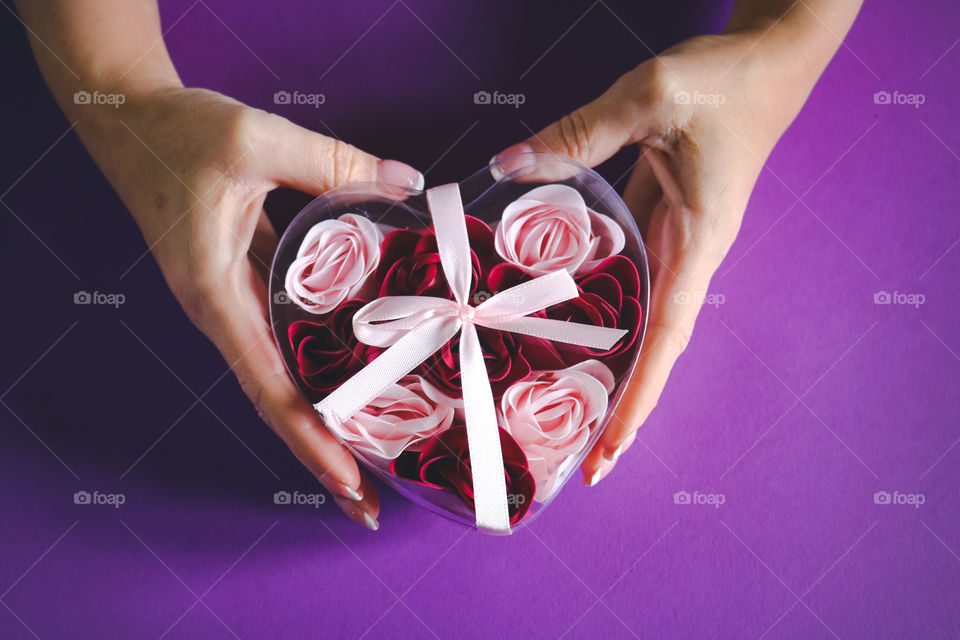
(327,352)
(410,264)
(506,275)
(609,297)
(444,463)
(507,356)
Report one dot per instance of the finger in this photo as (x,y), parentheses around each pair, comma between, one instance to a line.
(313,163)
(592,133)
(263,245)
(596,466)
(678,290)
(237,324)
(642,192)
(360,511)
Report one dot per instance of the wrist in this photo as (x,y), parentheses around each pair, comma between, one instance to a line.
(795,45)
(101,108)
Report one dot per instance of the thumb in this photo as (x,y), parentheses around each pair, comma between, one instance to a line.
(592,133)
(314,163)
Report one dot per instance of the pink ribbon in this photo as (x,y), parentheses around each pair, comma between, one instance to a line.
(415,327)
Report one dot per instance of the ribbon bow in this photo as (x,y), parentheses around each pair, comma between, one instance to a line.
(415,327)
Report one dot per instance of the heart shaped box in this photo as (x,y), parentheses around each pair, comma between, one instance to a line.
(551,418)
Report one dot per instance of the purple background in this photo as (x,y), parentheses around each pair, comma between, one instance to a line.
(798,399)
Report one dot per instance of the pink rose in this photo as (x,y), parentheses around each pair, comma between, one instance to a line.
(404,415)
(551,228)
(551,415)
(333,262)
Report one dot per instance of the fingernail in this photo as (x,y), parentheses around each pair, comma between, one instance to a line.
(507,160)
(592,480)
(611,456)
(348,492)
(522,147)
(399,174)
(357,512)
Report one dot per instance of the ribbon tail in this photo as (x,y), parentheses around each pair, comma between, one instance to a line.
(585,335)
(483,437)
(400,359)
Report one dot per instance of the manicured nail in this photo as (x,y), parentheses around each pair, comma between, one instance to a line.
(502,163)
(611,456)
(522,147)
(399,174)
(592,480)
(348,492)
(357,512)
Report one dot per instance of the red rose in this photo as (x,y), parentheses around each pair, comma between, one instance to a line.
(410,264)
(327,352)
(444,463)
(508,357)
(609,297)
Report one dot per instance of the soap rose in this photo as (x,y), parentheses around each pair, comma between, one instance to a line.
(327,352)
(444,463)
(551,228)
(551,415)
(508,357)
(610,296)
(333,262)
(410,264)
(404,415)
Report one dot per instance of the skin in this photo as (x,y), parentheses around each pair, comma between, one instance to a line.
(699,163)
(194,167)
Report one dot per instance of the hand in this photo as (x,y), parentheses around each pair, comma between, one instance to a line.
(194,168)
(705,115)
